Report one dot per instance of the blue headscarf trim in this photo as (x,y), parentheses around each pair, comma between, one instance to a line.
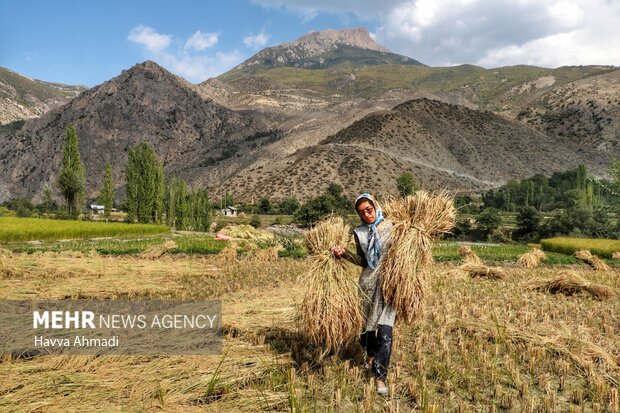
(373,254)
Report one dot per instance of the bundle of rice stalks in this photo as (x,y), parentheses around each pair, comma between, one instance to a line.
(532,258)
(330,312)
(229,253)
(479,270)
(592,260)
(248,232)
(268,255)
(468,255)
(569,284)
(616,255)
(417,220)
(156,251)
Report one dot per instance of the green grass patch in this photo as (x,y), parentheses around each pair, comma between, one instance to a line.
(186,245)
(602,247)
(27,229)
(448,251)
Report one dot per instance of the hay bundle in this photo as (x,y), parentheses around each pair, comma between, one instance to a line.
(592,260)
(417,220)
(268,255)
(616,255)
(156,251)
(569,284)
(248,232)
(468,255)
(480,270)
(229,253)
(532,258)
(330,312)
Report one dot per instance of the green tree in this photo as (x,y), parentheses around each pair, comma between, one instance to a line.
(528,224)
(72,179)
(406,184)
(106,197)
(145,184)
(488,221)
(48,204)
(289,206)
(264,206)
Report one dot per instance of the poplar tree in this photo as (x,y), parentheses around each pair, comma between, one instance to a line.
(145,184)
(72,179)
(106,197)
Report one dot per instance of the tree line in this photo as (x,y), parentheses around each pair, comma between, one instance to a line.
(151,197)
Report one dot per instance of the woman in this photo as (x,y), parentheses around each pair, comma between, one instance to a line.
(371,238)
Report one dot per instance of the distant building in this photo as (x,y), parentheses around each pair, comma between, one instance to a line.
(97,209)
(230,211)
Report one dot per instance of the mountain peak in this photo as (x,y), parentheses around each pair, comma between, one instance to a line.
(320,50)
(327,39)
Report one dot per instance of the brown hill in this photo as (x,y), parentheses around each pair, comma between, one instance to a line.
(196,138)
(443,145)
(586,112)
(24,98)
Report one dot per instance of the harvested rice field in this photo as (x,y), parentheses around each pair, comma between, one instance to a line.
(518,343)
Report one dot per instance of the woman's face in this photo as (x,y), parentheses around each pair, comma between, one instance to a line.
(366,212)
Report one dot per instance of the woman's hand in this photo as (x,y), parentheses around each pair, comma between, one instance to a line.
(338,251)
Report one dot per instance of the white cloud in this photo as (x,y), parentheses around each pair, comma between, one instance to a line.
(201,41)
(485,32)
(202,67)
(149,38)
(256,41)
(187,59)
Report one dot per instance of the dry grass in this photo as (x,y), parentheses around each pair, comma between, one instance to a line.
(492,346)
(569,283)
(330,312)
(156,251)
(592,260)
(468,255)
(532,258)
(481,270)
(229,253)
(616,255)
(417,220)
(247,232)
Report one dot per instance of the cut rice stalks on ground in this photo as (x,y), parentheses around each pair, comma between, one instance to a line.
(532,258)
(417,221)
(483,271)
(330,312)
(468,255)
(616,255)
(229,253)
(592,260)
(156,251)
(569,284)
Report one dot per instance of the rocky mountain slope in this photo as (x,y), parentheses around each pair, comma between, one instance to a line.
(24,98)
(443,145)
(196,138)
(586,112)
(292,125)
(321,49)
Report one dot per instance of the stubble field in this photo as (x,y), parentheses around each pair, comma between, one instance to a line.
(484,344)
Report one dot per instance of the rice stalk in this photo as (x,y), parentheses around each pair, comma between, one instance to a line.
(417,220)
(229,253)
(616,255)
(156,251)
(570,284)
(330,312)
(532,258)
(483,271)
(592,260)
(468,255)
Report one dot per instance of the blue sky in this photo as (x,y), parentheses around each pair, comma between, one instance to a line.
(88,42)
